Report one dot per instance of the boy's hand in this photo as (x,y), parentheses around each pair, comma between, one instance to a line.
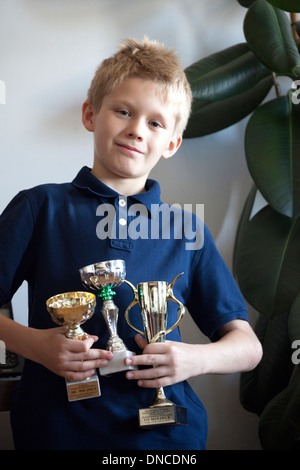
(236,350)
(169,362)
(69,358)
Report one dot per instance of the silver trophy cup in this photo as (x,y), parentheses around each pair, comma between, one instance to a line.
(105,276)
(152,298)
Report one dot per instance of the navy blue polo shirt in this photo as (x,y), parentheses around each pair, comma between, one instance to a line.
(47,234)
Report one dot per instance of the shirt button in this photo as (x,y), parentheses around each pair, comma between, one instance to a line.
(122,221)
(122,202)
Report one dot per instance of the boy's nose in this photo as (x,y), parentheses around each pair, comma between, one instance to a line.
(135,131)
(135,135)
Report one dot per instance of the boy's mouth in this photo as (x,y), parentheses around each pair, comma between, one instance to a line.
(129,148)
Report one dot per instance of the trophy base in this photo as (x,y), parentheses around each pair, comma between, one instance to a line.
(116,364)
(166,415)
(84,389)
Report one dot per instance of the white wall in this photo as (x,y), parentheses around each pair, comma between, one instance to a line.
(49,50)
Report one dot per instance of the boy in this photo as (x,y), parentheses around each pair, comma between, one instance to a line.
(137,108)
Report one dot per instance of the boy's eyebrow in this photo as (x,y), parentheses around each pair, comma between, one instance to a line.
(128,104)
(121,102)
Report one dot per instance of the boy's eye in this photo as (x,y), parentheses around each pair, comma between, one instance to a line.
(123,112)
(155,124)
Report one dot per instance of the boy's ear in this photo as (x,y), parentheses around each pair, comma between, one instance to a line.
(172,147)
(88,116)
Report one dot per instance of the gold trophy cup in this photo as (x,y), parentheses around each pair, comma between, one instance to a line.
(105,276)
(152,298)
(73,309)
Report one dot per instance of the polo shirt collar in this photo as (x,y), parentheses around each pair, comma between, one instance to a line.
(87,181)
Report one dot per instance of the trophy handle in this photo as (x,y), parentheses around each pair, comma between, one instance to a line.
(173,298)
(135,301)
(170,296)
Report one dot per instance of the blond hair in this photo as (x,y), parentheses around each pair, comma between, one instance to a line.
(148,60)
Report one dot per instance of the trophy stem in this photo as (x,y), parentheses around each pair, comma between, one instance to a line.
(161,399)
(76,332)
(110,314)
(115,344)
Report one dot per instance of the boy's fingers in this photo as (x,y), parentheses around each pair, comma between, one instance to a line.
(140,341)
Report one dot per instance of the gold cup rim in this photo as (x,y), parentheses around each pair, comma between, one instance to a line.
(89,297)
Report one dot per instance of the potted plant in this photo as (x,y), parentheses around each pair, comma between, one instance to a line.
(228,86)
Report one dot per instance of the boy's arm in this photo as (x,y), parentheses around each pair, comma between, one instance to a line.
(74,360)
(238,349)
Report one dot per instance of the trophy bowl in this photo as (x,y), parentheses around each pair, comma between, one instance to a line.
(105,273)
(72,309)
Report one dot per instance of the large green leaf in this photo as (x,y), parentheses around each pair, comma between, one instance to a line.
(268,32)
(272,147)
(242,227)
(279,426)
(286,5)
(246,3)
(294,321)
(272,375)
(266,261)
(226,87)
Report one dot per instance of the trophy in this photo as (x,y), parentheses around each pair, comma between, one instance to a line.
(105,276)
(73,309)
(152,298)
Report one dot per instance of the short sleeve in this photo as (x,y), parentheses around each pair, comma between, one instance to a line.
(16,229)
(214,298)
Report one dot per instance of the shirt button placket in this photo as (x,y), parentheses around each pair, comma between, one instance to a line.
(122,217)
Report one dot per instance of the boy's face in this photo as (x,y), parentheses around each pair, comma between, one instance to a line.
(132,130)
